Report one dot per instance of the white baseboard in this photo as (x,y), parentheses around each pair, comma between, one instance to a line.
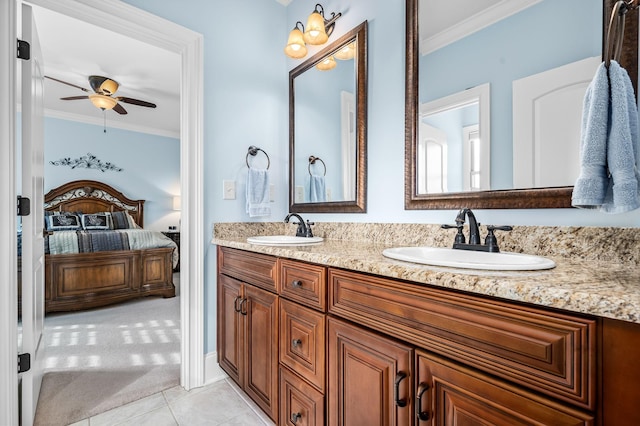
(212,370)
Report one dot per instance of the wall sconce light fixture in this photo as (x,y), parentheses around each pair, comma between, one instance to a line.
(317,32)
(326,64)
(177,202)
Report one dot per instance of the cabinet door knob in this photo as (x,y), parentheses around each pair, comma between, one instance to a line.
(296,283)
(242,310)
(399,377)
(296,342)
(421,415)
(295,417)
(235,304)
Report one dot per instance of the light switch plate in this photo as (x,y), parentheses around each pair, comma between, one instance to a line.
(228,189)
(299,194)
(272,193)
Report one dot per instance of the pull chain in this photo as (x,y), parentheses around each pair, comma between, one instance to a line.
(104,114)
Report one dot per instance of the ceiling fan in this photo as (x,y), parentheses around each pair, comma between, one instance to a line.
(104,88)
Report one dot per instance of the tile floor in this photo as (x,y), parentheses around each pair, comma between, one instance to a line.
(218,404)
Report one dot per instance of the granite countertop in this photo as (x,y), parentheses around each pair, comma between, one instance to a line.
(590,286)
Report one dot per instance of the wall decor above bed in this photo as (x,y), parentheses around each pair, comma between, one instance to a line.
(88,161)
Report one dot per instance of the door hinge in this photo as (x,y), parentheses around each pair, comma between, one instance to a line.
(24,206)
(24,50)
(24,362)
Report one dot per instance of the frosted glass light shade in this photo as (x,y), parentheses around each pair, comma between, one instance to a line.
(315,32)
(326,64)
(109,86)
(295,47)
(102,101)
(346,52)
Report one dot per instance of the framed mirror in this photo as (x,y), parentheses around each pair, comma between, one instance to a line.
(440,54)
(328,128)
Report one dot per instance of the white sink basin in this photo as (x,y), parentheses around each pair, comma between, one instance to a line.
(503,261)
(283,240)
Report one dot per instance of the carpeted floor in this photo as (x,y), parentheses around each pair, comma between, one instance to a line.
(103,358)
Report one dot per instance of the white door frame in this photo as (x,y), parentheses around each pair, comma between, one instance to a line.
(8,256)
(138,24)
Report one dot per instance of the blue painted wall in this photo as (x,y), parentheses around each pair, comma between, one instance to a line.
(150,163)
(246,103)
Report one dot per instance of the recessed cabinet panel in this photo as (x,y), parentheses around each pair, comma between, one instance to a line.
(230,329)
(300,404)
(458,395)
(370,378)
(257,269)
(546,351)
(302,342)
(304,283)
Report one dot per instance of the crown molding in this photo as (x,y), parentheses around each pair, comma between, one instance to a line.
(475,23)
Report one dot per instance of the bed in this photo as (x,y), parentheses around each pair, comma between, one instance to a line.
(76,281)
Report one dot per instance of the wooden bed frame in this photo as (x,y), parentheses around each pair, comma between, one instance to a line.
(87,280)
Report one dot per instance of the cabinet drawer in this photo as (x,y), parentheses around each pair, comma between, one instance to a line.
(302,342)
(300,404)
(544,350)
(253,268)
(449,393)
(304,283)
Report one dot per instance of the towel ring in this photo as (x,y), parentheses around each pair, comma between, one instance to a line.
(253,151)
(312,160)
(615,32)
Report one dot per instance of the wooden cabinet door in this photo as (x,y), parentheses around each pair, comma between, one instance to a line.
(450,394)
(370,378)
(230,328)
(260,314)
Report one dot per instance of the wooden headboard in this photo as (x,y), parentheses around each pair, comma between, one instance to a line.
(90,196)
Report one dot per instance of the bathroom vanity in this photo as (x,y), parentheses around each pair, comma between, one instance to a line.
(337,334)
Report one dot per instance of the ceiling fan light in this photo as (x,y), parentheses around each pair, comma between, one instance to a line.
(103,102)
(315,32)
(109,87)
(295,48)
(326,64)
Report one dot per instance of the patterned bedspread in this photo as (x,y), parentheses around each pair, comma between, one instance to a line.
(66,242)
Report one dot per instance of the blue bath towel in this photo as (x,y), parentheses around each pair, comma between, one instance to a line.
(591,187)
(622,148)
(258,193)
(609,179)
(317,191)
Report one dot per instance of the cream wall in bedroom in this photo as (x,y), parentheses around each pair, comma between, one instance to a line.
(150,165)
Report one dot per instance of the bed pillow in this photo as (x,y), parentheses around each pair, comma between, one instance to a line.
(123,220)
(62,222)
(95,221)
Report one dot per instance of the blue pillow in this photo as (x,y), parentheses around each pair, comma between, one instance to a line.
(62,222)
(95,221)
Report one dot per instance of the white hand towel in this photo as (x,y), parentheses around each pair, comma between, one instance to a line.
(317,191)
(258,193)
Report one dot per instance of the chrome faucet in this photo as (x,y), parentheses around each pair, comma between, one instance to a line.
(490,242)
(303,230)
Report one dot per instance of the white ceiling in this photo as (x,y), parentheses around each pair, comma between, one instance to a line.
(73,50)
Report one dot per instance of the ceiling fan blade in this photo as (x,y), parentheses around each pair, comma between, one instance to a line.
(73,98)
(68,84)
(135,102)
(119,109)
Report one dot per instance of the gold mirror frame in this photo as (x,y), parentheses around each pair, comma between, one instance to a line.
(534,198)
(359,205)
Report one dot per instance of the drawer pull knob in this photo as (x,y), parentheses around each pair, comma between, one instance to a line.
(295,417)
(296,342)
(296,283)
(421,415)
(399,377)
